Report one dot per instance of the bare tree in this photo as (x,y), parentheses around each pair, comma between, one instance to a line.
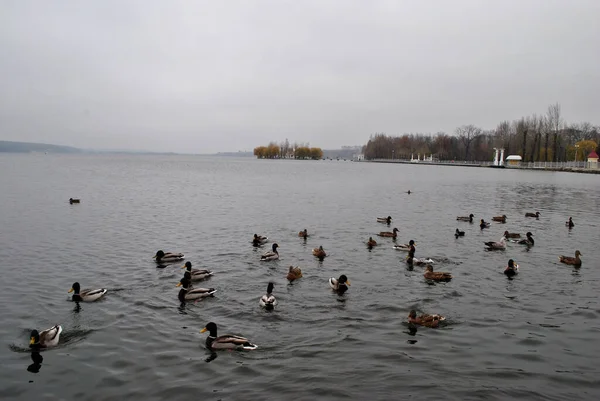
(521,129)
(467,133)
(555,122)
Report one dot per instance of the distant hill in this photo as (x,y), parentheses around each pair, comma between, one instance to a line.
(29,147)
(236,154)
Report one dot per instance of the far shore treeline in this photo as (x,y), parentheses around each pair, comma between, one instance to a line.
(285,150)
(536,137)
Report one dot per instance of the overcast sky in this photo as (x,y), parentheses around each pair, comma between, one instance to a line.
(207,76)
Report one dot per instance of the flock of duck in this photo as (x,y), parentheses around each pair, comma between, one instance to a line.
(50,337)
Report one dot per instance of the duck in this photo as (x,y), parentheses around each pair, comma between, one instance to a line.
(45,339)
(576,261)
(484,224)
(570,223)
(319,252)
(339,285)
(527,241)
(411,260)
(405,247)
(195,274)
(468,218)
(500,219)
(536,215)
(270,255)
(371,242)
(258,240)
(425,320)
(392,234)
(73,200)
(386,220)
(86,295)
(512,269)
(168,256)
(496,246)
(226,341)
(459,233)
(303,234)
(268,300)
(436,276)
(294,273)
(187,293)
(511,235)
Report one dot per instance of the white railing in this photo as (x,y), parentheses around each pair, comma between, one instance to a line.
(524,165)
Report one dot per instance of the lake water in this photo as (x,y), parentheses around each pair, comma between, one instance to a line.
(534,337)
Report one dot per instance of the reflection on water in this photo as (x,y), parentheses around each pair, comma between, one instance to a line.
(37,359)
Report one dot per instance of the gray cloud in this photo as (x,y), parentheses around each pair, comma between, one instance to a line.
(207,76)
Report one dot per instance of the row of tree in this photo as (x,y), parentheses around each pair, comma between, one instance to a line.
(285,150)
(535,138)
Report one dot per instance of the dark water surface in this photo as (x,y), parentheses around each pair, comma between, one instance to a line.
(535,337)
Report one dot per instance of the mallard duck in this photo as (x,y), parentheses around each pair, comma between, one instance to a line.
(496,246)
(512,269)
(392,234)
(386,220)
(436,276)
(405,247)
(340,285)
(411,260)
(226,341)
(168,257)
(500,219)
(468,218)
(527,241)
(319,252)
(425,320)
(45,339)
(459,233)
(570,223)
(258,240)
(511,235)
(187,293)
(303,234)
(73,200)
(484,224)
(195,274)
(536,215)
(371,242)
(86,295)
(294,273)
(268,300)
(576,261)
(270,255)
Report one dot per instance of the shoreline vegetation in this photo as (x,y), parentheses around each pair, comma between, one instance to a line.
(536,138)
(285,150)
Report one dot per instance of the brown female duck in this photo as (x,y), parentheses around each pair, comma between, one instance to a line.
(392,234)
(568,260)
(436,276)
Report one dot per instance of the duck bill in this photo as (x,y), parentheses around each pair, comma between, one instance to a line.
(183,267)
(178,284)
(348,282)
(31,341)
(203,330)
(71,290)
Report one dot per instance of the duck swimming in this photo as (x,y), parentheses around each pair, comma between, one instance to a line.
(392,234)
(268,300)
(496,246)
(536,215)
(576,261)
(187,293)
(340,285)
(168,257)
(459,233)
(405,247)
(258,240)
(436,276)
(419,261)
(86,295)
(226,341)
(484,224)
(468,218)
(570,223)
(303,234)
(46,339)
(371,242)
(319,252)
(512,269)
(72,200)
(425,320)
(500,219)
(270,255)
(294,273)
(195,274)
(386,220)
(527,241)
(511,235)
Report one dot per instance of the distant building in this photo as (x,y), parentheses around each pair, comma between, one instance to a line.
(593,160)
(358,157)
(513,160)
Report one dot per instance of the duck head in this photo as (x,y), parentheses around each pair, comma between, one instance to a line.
(395,230)
(159,255)
(529,234)
(34,338)
(75,288)
(412,314)
(343,280)
(411,242)
(211,328)
(577,253)
(270,287)
(471,215)
(187,266)
(511,263)
(274,247)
